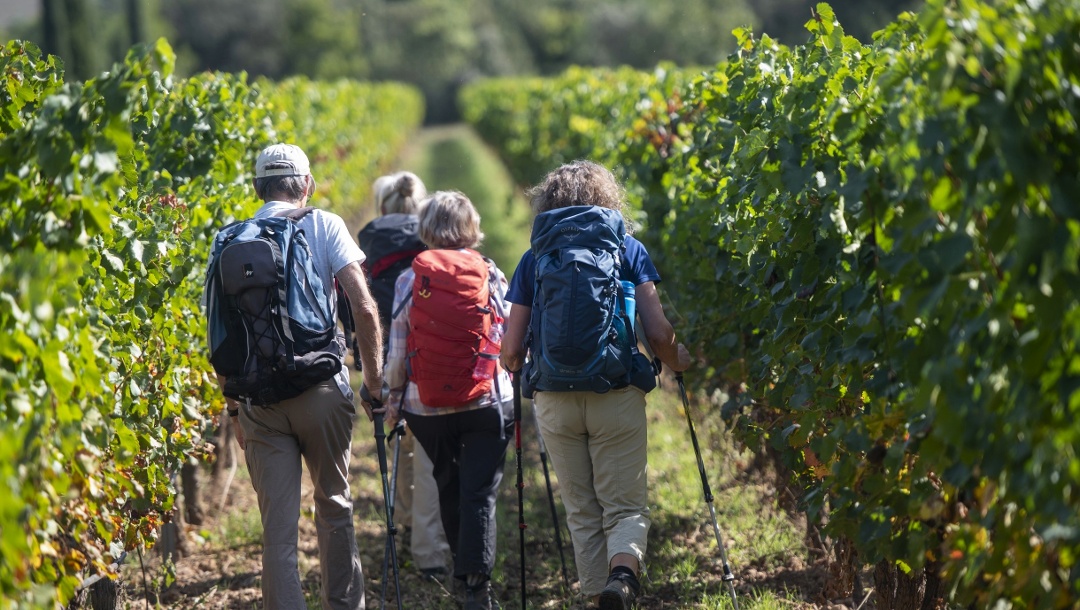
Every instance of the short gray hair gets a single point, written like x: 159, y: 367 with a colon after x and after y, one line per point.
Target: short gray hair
x: 449, y: 220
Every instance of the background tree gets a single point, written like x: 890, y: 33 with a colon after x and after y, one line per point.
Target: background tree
x: 785, y: 20
x: 641, y: 33
x: 67, y: 31
x: 83, y: 61
x: 437, y: 45
x: 54, y: 30
x: 136, y: 21
x: 429, y: 43
x: 321, y: 39
x: 273, y: 38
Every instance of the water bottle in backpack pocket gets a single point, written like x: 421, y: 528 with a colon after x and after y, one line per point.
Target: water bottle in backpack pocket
x: 487, y: 355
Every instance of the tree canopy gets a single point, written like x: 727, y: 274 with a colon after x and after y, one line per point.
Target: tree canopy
x: 437, y: 45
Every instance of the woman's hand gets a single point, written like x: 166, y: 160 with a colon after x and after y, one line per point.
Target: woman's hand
x: 512, y: 354
x: 683, y: 362
x: 393, y: 416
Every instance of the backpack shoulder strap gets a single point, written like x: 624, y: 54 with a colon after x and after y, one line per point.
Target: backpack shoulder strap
x: 405, y: 301
x: 296, y: 214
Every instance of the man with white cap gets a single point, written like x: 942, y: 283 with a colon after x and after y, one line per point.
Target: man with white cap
x: 318, y: 424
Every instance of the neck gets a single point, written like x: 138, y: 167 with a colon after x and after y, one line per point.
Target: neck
x: 295, y: 202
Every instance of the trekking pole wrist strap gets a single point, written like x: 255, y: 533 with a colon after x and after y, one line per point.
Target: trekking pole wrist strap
x: 365, y: 395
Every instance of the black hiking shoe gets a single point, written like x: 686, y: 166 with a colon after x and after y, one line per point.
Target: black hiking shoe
x: 480, y: 597
x: 620, y: 593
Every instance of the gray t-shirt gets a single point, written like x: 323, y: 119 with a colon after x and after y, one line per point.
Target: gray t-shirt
x: 332, y: 248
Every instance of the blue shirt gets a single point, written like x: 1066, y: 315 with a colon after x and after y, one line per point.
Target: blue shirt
x: 638, y: 269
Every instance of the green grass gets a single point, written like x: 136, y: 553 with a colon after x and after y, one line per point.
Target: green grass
x: 240, y: 528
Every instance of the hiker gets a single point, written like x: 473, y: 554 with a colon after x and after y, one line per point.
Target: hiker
x: 596, y: 436
x: 458, y: 402
x: 317, y: 424
x: 391, y: 242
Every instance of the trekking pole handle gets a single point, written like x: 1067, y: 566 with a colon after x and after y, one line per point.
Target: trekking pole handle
x: 365, y: 395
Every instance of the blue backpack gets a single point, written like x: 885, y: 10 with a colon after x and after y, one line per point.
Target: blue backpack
x: 580, y: 337
x: 271, y: 329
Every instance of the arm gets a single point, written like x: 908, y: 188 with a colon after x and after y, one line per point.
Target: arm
x: 231, y: 407
x: 659, y: 333
x: 512, y: 355
x: 366, y: 318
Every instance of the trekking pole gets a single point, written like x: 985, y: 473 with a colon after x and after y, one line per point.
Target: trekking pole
x: 516, y: 378
x: 380, y: 448
x: 728, y: 577
x: 398, y: 430
x: 551, y: 501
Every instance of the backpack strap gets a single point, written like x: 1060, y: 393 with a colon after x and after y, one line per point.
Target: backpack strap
x: 397, y: 310
x: 296, y: 214
x: 388, y: 261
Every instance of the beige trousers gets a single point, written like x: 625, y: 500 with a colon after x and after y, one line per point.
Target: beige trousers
x: 417, y: 506
x: 316, y: 426
x: 598, y: 444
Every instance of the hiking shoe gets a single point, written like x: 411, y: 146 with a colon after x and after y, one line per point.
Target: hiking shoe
x: 619, y: 594
x: 480, y: 597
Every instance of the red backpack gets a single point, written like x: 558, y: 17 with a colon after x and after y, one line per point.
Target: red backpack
x: 453, y: 344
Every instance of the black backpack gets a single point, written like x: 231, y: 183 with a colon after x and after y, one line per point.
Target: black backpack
x: 271, y: 329
x: 391, y: 242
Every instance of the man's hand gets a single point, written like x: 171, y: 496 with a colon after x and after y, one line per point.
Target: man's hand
x: 238, y: 431
x: 372, y: 404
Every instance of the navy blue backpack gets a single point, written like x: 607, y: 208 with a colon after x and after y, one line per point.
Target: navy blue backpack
x: 580, y: 337
x: 271, y: 329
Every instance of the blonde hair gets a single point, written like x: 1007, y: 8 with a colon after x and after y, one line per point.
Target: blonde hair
x: 577, y: 183
x: 398, y: 193
x: 449, y: 220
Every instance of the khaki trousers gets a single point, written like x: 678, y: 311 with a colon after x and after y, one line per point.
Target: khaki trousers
x: 417, y: 506
x: 316, y: 426
x: 598, y: 444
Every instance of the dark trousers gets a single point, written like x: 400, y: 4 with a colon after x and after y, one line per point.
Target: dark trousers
x: 467, y: 450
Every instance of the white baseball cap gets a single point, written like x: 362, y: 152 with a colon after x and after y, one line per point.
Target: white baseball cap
x: 282, y: 154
